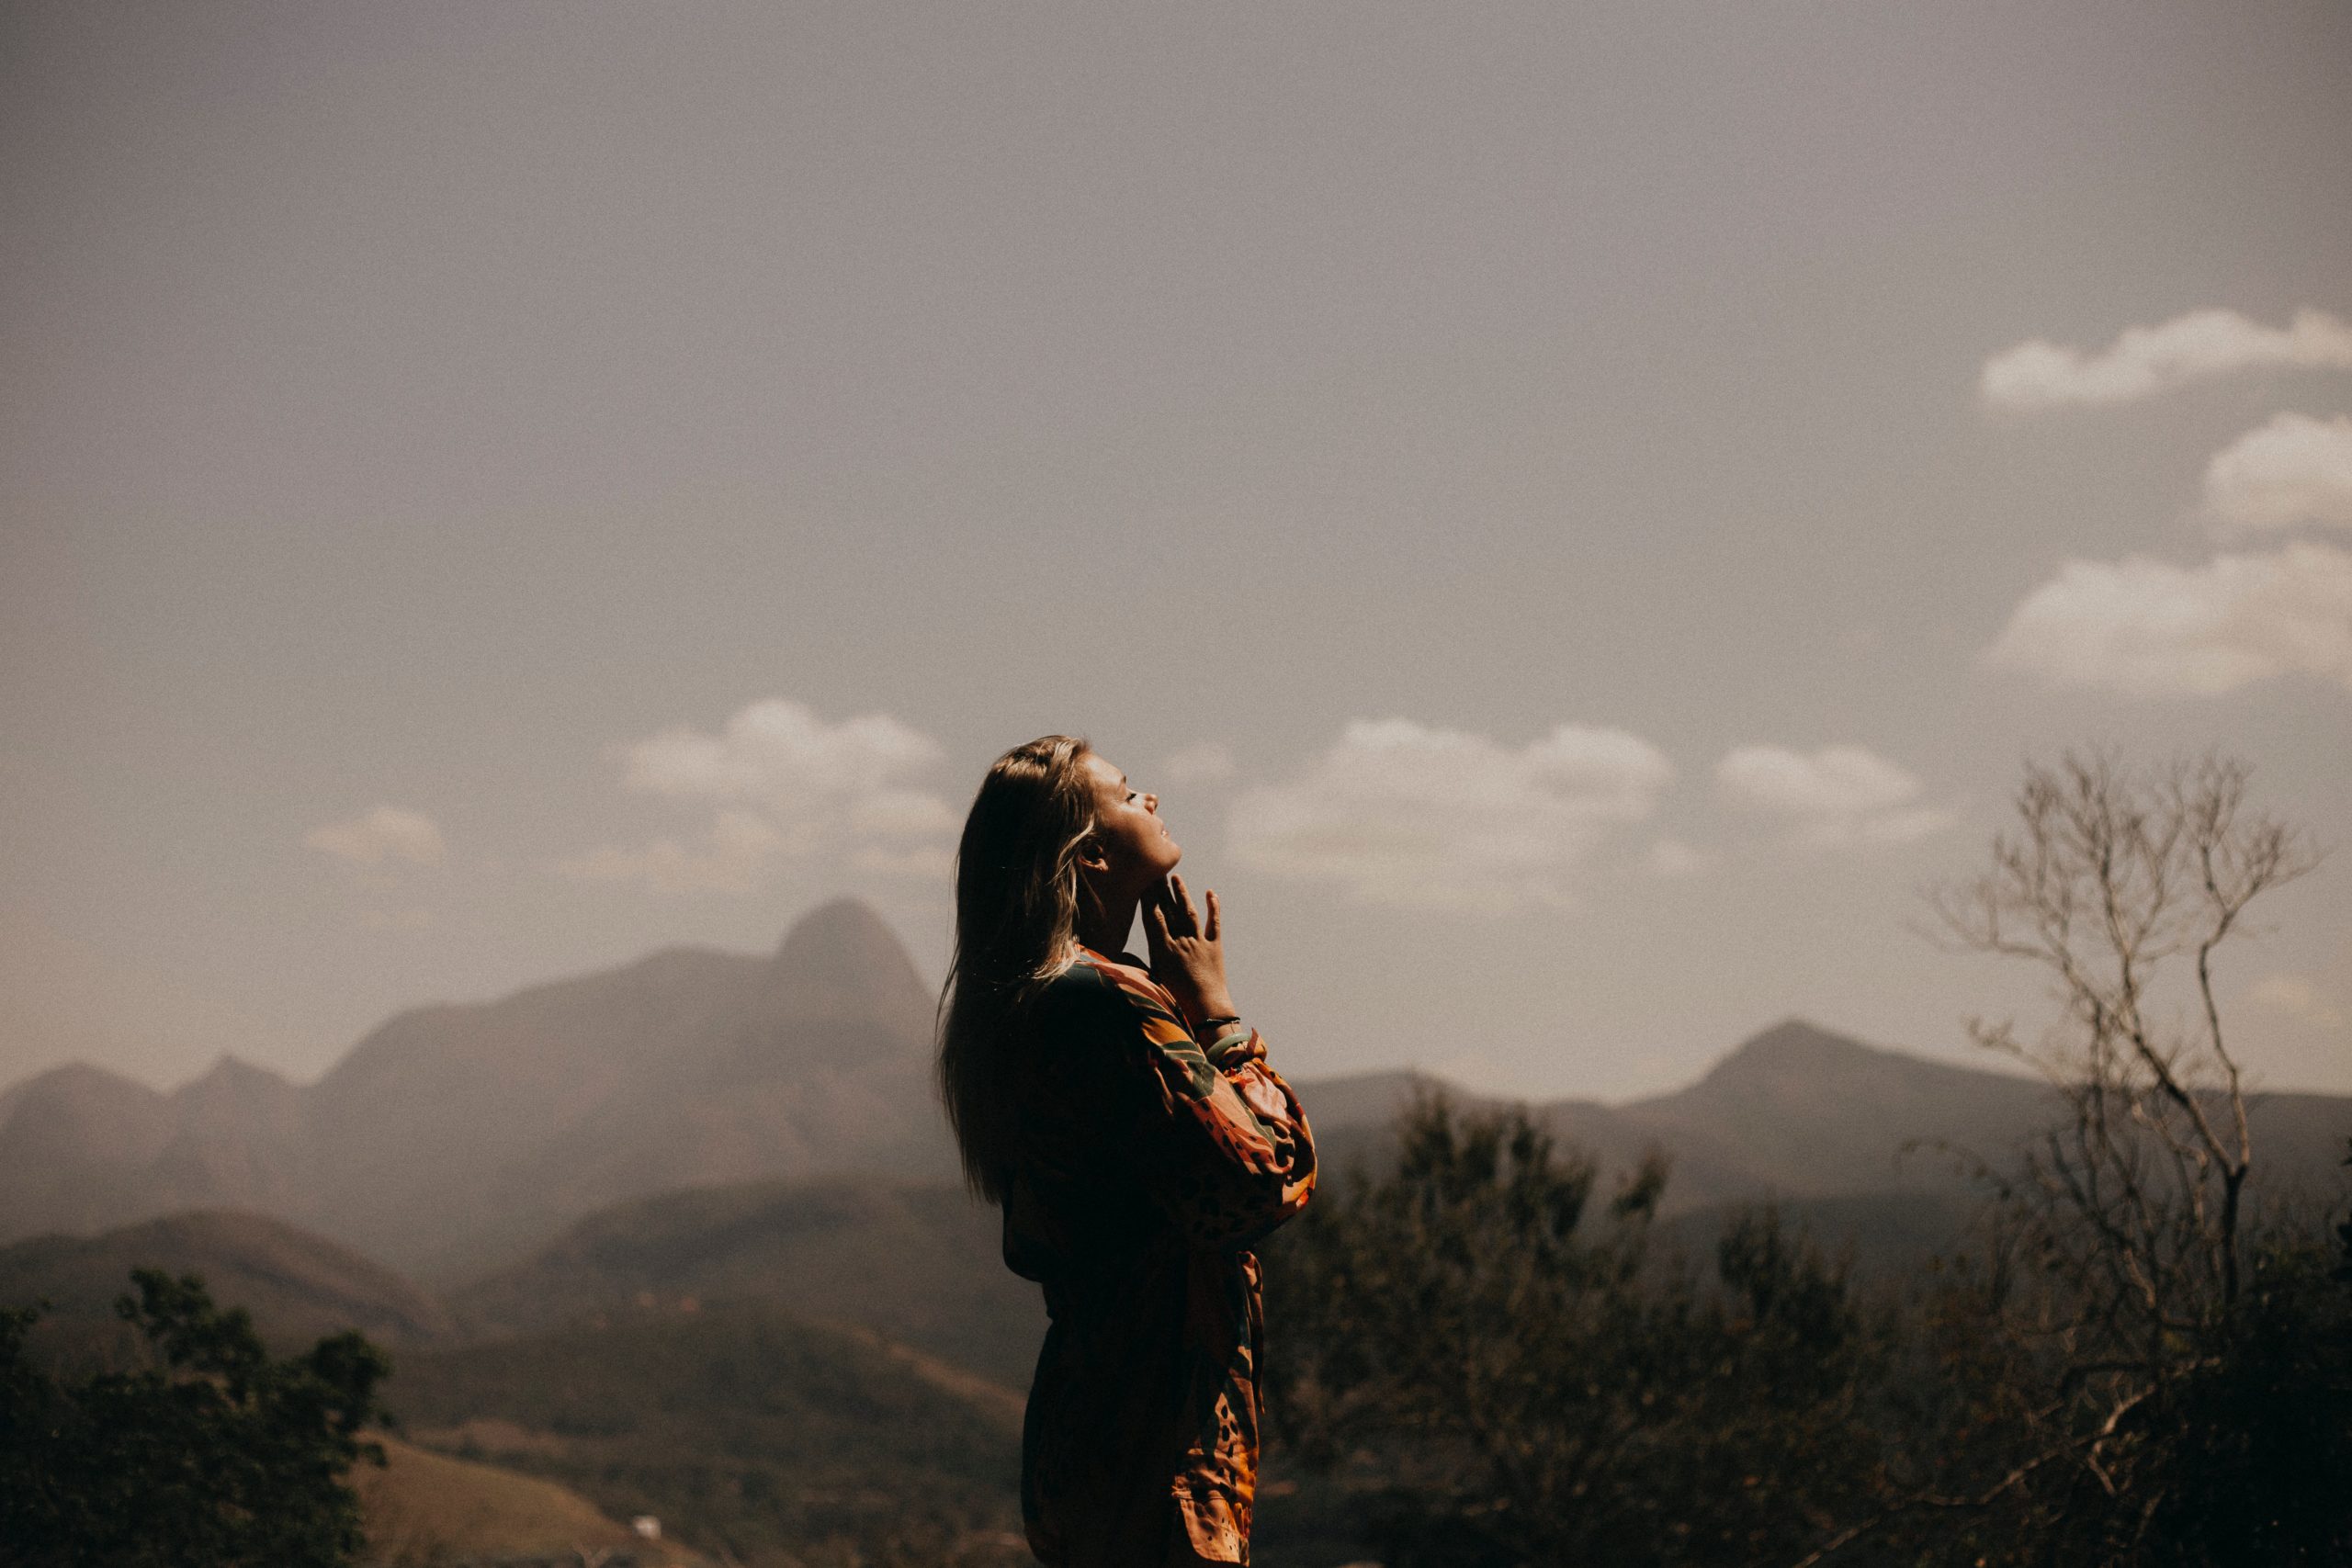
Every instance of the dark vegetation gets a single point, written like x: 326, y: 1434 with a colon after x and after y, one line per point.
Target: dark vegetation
x: 2133, y: 1358
x: 1501, y: 1374
x: 213, y: 1455
x: 1480, y: 1361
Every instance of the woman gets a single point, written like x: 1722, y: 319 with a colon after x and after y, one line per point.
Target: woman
x: 1126, y: 1121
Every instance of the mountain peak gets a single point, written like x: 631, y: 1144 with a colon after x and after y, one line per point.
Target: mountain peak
x: 67, y: 1118
x: 839, y: 924
x: 235, y: 1092
x: 231, y: 1075
x: 79, y: 1080
x: 1793, y: 1048
x: 842, y: 963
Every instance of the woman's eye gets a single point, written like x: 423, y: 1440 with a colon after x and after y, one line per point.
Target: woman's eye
x: 1134, y: 796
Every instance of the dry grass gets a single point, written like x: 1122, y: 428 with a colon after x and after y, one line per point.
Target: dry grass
x: 424, y: 1507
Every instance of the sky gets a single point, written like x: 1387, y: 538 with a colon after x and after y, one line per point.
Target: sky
x: 1581, y: 513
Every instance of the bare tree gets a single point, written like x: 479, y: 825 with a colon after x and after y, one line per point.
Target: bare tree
x: 2119, y: 1238
x: 2122, y: 886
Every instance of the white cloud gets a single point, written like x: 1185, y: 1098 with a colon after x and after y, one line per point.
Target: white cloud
x: 1205, y: 765
x: 902, y: 816
x: 735, y: 856
x: 2295, y: 470
x: 2149, y: 628
x: 1836, y: 795
x: 781, y: 756
x: 2146, y: 361
x: 785, y: 785
x: 386, y: 833
x: 1399, y: 813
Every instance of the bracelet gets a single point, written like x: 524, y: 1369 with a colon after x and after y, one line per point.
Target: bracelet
x: 1221, y: 1020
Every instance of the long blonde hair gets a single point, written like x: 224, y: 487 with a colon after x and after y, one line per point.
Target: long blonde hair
x: 1016, y: 926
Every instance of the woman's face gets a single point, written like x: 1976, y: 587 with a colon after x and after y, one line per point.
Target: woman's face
x: 1129, y: 837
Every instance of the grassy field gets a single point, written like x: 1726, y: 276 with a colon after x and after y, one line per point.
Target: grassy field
x: 427, y: 1508
x: 747, y: 1430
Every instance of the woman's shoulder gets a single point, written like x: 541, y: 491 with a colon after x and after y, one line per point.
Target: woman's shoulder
x: 1120, y: 973
x: 1096, y: 980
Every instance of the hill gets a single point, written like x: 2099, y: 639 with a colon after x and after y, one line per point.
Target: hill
x: 917, y: 1263
x: 1799, y: 1111
x: 298, y: 1286
x: 744, y: 1428
x: 422, y: 1507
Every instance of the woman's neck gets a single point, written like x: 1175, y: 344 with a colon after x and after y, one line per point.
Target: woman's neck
x: 1105, y: 929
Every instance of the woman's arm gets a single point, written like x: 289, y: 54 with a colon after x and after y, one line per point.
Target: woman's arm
x: 1217, y: 1136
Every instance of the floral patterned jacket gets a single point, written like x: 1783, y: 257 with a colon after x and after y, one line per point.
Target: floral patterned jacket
x: 1149, y: 1163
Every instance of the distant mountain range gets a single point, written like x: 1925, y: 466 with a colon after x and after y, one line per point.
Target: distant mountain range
x: 1800, y: 1115
x: 456, y: 1142
x: 455, y: 1136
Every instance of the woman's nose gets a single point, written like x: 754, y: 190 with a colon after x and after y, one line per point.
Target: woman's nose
x: 1151, y: 804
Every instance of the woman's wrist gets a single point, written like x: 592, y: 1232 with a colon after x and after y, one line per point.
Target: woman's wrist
x: 1210, y: 1008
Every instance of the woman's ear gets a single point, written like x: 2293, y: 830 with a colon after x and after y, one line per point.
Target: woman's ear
x: 1091, y: 860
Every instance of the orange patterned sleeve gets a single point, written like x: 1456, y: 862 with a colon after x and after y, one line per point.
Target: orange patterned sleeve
x: 1222, y: 1143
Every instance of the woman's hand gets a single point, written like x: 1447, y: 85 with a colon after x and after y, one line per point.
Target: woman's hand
x: 1187, y: 954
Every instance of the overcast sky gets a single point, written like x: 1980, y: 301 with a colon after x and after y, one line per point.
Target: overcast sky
x: 1579, y: 510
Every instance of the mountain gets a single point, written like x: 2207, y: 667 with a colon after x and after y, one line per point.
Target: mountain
x: 298, y: 1286
x: 75, y: 1146
x: 239, y: 1137
x: 455, y: 1134
x: 455, y: 1139
x: 1799, y: 1113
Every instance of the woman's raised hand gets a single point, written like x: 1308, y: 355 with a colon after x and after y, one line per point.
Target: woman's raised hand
x: 1187, y: 953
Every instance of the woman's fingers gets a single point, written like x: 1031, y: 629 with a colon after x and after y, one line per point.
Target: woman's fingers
x: 1215, y: 928
x: 1182, y: 901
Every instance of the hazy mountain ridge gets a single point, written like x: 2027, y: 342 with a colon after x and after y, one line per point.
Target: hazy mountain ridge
x: 1794, y: 1111
x: 456, y: 1135
x: 1801, y: 1114
x: 455, y: 1139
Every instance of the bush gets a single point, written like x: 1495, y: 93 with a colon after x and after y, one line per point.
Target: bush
x: 218, y: 1456
x: 1500, y: 1381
